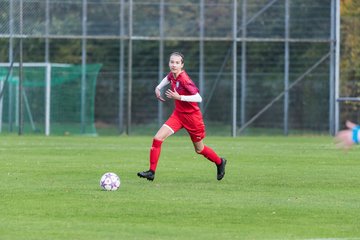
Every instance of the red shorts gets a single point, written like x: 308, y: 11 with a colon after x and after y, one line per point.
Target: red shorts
x: 192, y: 122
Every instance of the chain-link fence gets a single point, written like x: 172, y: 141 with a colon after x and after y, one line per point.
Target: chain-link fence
x: 264, y: 66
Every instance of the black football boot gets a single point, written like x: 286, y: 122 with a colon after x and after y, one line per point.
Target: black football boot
x: 149, y: 175
x: 221, y: 169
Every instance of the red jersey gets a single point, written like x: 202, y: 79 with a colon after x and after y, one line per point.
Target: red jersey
x: 184, y: 86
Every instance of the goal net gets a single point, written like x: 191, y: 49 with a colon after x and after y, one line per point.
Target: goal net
x: 57, y: 98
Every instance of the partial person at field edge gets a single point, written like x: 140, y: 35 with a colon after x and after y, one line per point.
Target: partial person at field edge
x: 347, y: 137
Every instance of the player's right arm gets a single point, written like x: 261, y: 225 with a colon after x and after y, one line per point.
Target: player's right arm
x: 158, y: 88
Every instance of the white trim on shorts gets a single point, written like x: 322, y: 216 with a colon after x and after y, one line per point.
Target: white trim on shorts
x: 169, y: 128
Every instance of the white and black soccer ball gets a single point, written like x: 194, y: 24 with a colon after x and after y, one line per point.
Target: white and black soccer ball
x: 110, y: 181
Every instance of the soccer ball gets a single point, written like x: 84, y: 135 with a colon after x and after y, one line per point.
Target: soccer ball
x: 110, y: 181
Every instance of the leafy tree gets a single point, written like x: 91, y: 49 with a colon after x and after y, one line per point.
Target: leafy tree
x: 350, y: 54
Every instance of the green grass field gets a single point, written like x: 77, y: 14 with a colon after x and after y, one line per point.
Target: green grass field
x: 274, y: 188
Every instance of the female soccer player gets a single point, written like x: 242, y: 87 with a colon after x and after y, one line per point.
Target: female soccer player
x: 346, y: 138
x: 186, y: 115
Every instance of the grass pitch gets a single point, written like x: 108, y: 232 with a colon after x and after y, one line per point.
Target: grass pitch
x: 274, y: 188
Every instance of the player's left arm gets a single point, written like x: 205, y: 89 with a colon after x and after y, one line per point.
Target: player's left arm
x: 186, y: 98
x: 191, y: 88
x: 191, y: 98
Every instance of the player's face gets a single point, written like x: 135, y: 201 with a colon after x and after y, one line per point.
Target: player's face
x: 175, y: 64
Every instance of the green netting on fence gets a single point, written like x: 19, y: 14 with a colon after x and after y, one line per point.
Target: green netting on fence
x: 71, y: 98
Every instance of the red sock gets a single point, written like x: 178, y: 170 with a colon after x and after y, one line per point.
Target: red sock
x: 155, y: 153
x: 211, y: 155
